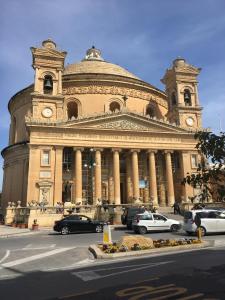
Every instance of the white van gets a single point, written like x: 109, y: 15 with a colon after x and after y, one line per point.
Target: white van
x: 212, y: 220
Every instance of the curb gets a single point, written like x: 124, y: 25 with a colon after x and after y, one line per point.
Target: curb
x: 98, y: 254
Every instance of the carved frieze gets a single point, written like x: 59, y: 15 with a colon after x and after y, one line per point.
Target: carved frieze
x: 114, y: 90
x: 123, y: 125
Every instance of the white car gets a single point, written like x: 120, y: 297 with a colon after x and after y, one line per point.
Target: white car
x: 154, y: 222
x: 212, y: 220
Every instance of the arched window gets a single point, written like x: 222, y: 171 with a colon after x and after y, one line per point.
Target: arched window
x: 48, y: 85
x: 114, y: 106
x: 173, y: 99
x: 150, y: 111
x: 72, y: 110
x: 187, y: 97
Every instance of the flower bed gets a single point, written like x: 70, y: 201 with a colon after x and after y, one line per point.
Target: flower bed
x: 118, y: 248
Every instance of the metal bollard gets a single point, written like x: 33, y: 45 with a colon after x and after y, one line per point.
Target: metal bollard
x: 107, y: 238
x: 199, y: 234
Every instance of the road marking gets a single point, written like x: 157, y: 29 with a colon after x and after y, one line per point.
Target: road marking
x: 86, y: 261
x: 33, y: 257
x: 5, y: 256
x: 29, y: 247
x: 91, y: 275
x: 88, y: 275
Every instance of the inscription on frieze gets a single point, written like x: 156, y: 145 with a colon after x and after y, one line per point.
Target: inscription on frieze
x: 120, y: 138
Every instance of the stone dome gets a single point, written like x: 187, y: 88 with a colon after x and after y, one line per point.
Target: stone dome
x: 93, y: 63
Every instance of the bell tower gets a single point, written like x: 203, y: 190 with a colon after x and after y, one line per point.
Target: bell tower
x: 47, y: 99
x: 182, y: 91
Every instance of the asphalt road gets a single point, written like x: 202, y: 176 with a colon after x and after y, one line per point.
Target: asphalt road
x: 48, y: 265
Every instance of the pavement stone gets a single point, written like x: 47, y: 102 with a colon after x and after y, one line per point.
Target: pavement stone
x: 6, y: 231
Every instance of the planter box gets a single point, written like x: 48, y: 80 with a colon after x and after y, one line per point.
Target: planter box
x: 35, y: 227
x: 22, y: 226
x: 94, y: 249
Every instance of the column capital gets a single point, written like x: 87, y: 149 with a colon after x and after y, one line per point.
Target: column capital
x: 168, y: 151
x: 78, y: 148
x: 152, y: 151
x: 98, y: 149
x: 58, y: 147
x: 135, y: 150
x: 116, y: 149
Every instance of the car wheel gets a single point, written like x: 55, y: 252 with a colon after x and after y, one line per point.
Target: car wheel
x: 65, y: 230
x: 98, y: 228
x: 142, y: 230
x: 203, y: 231
x: 174, y: 228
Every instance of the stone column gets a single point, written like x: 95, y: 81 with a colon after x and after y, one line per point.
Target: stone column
x: 135, y: 174
x: 152, y: 178
x: 169, y: 178
x: 33, y: 174
x: 128, y: 178
x: 110, y: 179
x: 187, y: 190
x: 60, y: 82
x: 98, y: 176
x: 58, y: 175
x: 196, y: 95
x: 78, y: 175
x: 116, y: 175
x: 36, y: 80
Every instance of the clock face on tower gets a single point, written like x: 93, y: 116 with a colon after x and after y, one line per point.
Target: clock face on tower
x: 47, y: 112
x: 189, y: 121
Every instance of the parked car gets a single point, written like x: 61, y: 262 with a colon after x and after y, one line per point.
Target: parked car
x: 129, y: 214
x: 143, y: 223
x: 212, y: 221
x: 78, y: 223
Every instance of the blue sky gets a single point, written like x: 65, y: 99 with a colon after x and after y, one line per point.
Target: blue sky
x: 144, y: 36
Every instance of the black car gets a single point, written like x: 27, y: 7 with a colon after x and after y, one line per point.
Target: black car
x: 78, y: 223
x: 129, y: 214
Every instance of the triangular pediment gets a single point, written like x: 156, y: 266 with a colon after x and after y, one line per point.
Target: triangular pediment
x: 123, y: 122
x: 51, y: 53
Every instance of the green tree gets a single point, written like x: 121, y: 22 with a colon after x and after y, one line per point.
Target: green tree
x: 210, y: 177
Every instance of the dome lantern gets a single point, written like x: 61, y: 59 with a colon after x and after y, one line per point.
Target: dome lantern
x: 93, y: 54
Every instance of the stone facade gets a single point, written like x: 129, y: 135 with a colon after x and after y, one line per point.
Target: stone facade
x: 92, y: 130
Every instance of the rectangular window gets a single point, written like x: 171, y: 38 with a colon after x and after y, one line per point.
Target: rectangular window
x: 45, y: 158
x: 194, y: 160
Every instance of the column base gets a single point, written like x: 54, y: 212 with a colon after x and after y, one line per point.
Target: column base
x: 117, y: 201
x: 171, y: 201
x: 78, y: 201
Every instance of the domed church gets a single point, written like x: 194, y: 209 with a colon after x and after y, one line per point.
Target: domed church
x: 93, y: 131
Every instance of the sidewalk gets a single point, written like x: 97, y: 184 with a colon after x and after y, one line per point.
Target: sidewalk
x: 8, y: 231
